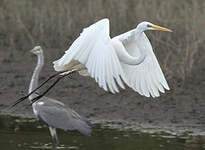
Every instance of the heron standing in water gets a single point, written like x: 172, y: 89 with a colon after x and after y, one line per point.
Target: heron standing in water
x: 52, y: 112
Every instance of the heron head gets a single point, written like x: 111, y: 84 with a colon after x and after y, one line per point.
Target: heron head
x: 36, y: 50
x: 150, y: 26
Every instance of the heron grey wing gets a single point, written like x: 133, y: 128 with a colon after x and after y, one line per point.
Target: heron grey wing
x: 60, y: 117
x: 82, y: 124
x: 51, y: 101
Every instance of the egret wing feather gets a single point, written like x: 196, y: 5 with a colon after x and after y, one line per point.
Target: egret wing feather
x: 93, y: 48
x: 146, y: 78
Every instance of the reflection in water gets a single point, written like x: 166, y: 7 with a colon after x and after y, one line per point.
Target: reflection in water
x: 50, y: 146
x: 195, y: 142
x: 29, y: 134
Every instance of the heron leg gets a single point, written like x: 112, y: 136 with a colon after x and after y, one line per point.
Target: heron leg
x: 54, y: 136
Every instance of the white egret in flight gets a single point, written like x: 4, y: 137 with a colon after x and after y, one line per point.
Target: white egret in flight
x: 127, y: 58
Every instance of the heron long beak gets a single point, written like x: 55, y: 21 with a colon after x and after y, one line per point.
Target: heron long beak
x: 161, y: 28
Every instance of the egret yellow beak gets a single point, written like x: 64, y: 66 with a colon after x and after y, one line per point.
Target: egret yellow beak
x: 161, y: 28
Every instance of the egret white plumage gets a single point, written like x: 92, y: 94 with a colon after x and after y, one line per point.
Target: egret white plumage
x: 51, y: 112
x: 127, y: 58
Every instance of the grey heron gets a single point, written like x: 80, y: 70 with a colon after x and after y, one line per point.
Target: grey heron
x: 51, y: 112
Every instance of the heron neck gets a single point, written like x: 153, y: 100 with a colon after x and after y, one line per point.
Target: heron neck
x: 35, y: 76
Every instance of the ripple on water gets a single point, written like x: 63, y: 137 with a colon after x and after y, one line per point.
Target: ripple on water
x: 49, y: 146
x: 106, y: 136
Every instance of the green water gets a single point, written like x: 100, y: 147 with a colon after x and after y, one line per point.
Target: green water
x: 29, y: 134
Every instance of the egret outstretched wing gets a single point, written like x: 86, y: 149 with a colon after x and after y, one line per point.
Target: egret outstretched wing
x: 93, y: 49
x: 146, y: 78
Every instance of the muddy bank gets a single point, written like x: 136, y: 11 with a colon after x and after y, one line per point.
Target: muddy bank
x: 181, y: 108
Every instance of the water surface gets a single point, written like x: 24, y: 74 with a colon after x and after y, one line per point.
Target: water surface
x: 28, y: 134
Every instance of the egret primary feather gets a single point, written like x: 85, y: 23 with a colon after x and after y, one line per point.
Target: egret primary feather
x: 127, y: 58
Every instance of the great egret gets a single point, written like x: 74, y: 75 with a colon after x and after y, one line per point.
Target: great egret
x: 52, y: 112
x: 125, y: 58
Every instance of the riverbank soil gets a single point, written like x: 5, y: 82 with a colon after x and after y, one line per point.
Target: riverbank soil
x: 181, y: 107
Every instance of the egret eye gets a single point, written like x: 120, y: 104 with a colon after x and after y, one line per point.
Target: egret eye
x: 149, y: 26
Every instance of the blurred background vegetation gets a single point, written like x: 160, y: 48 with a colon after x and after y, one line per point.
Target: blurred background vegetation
x: 56, y: 24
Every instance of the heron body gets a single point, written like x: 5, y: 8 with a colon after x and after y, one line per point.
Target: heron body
x: 127, y: 58
x: 51, y: 112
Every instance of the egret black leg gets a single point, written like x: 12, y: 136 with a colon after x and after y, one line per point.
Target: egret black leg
x: 25, y: 97
x: 47, y: 90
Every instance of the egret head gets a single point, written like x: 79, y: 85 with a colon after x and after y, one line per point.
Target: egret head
x: 36, y: 50
x: 150, y: 26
